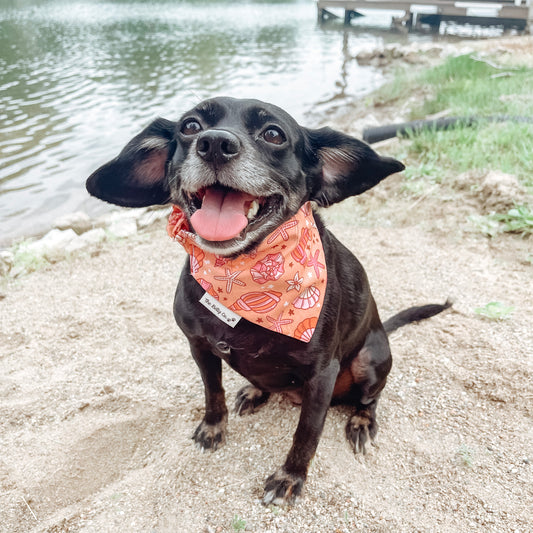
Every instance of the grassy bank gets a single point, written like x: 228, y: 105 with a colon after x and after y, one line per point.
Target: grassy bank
x: 469, y: 86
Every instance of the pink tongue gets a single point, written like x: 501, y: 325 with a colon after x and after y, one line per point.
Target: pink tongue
x: 222, y: 215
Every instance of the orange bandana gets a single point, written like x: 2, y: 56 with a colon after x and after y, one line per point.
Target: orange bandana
x: 279, y: 286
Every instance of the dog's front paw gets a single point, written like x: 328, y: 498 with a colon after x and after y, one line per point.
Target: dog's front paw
x: 250, y: 398
x: 210, y: 436
x: 361, y: 428
x: 282, y: 488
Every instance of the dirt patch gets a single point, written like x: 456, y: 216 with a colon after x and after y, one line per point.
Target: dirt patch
x: 100, y: 395
x: 493, y: 191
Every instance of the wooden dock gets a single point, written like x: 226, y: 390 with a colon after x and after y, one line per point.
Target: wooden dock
x: 517, y: 14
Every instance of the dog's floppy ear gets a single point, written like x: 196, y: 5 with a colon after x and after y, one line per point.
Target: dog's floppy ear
x: 137, y: 176
x: 346, y: 166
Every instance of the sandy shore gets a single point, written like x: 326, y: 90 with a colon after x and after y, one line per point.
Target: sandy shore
x: 99, y: 395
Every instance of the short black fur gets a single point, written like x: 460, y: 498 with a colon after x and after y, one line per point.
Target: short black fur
x: 348, y: 358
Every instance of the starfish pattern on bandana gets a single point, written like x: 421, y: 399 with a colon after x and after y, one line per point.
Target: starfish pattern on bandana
x: 278, y: 323
x: 295, y: 283
x: 231, y: 278
x: 282, y: 231
x: 316, y: 264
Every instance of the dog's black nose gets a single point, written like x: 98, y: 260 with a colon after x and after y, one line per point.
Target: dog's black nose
x: 217, y: 146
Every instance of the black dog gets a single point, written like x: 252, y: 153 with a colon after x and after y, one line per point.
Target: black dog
x: 259, y: 157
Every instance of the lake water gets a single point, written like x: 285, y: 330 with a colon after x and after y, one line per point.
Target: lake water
x: 79, y: 78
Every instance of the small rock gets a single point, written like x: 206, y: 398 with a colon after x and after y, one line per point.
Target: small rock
x: 364, y: 57
x: 90, y: 237
x: 17, y: 271
x: 78, y: 221
x: 395, y: 52
x: 94, y: 236
x: 494, y: 191
x: 6, y: 262
x: 501, y: 191
x: 413, y: 58
x: 53, y: 246
x: 123, y: 228
x: 434, y: 51
x: 75, y: 246
x: 151, y: 216
x: 122, y: 214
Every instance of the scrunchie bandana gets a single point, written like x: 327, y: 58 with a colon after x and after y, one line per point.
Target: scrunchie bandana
x: 279, y: 286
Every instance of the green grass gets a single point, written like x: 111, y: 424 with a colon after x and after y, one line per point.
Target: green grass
x: 504, y: 146
x: 238, y: 523
x: 25, y: 260
x: 466, y: 86
x: 518, y: 220
x: 399, y: 88
x: 495, y: 311
x: 465, y: 455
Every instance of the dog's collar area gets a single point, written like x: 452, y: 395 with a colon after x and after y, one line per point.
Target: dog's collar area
x: 279, y: 286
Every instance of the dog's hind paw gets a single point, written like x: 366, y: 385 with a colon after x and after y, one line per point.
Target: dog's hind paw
x: 361, y: 428
x: 249, y: 399
x: 282, y: 488
x: 210, y: 436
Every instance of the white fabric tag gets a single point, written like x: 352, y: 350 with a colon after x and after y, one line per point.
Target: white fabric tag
x: 223, y: 313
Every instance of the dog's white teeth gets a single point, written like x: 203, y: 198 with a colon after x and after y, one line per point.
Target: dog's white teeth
x: 252, y: 211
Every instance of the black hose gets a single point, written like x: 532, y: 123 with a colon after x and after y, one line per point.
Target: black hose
x: 380, y: 133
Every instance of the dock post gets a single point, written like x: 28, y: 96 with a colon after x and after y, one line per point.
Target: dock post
x: 350, y: 14
x: 409, y: 22
x: 324, y: 15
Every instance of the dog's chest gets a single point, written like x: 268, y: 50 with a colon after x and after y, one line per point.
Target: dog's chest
x: 268, y: 364
x: 271, y: 361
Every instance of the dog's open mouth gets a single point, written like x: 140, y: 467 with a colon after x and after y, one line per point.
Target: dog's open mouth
x: 221, y: 213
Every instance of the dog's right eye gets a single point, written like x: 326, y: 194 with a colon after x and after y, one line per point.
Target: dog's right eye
x: 191, y: 127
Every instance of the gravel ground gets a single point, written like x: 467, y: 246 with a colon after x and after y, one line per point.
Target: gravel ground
x: 100, y: 395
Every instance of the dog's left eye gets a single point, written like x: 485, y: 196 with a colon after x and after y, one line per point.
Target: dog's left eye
x: 191, y: 127
x: 274, y: 136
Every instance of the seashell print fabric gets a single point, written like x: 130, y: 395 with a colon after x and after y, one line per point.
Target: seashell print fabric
x: 279, y: 286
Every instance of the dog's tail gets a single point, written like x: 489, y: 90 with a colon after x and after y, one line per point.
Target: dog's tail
x: 414, y: 314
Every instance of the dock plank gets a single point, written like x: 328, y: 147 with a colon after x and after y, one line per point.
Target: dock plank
x: 472, y: 11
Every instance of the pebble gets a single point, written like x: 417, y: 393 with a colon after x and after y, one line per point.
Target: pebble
x: 78, y: 221
x: 53, y: 245
x: 7, y: 259
x: 123, y: 228
x: 93, y: 236
x: 150, y: 216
